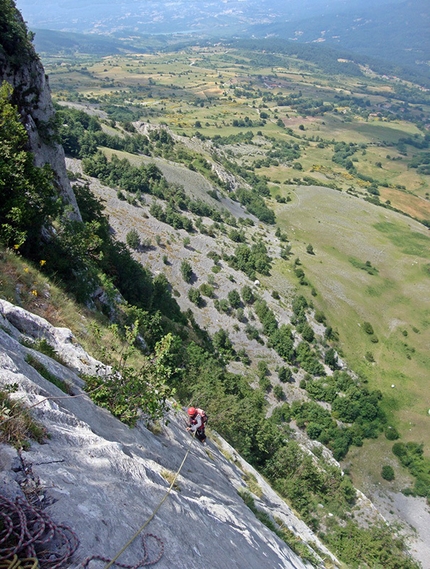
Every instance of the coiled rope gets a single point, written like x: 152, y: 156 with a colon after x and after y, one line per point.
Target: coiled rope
x: 62, y: 529
x: 28, y: 532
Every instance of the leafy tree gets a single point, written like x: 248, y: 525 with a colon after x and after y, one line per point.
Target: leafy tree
x: 263, y: 369
x: 252, y: 259
x: 345, y: 409
x: 252, y: 333
x: 285, y: 252
x: 151, y: 325
x: 320, y: 317
x: 299, y: 304
x: 308, y: 359
x: 391, y: 433
x: 224, y: 305
x: 278, y: 392
x: 207, y: 289
x: 264, y: 384
x: 281, y: 414
x: 127, y: 391
x: 330, y: 359
x: 284, y: 374
x: 267, y: 317
x: 161, y: 298
x: 237, y: 236
x: 75, y: 256
x: 373, y: 546
x: 411, y: 455
x: 240, y: 315
x: 222, y: 342
x: 28, y: 199
x: 195, y: 297
x: 234, y: 298
x: 255, y: 203
x: 247, y: 294
x: 314, y: 430
x: 283, y: 342
x: 308, y: 333
x: 15, y: 40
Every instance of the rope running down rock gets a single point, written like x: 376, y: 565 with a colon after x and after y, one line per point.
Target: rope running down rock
x: 144, y: 561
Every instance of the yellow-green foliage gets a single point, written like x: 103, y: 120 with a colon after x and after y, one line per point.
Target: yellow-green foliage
x: 251, y: 482
x: 169, y: 476
x: 137, y: 384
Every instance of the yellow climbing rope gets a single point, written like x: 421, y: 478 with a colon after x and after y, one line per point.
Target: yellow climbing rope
x: 16, y: 563
x: 151, y: 517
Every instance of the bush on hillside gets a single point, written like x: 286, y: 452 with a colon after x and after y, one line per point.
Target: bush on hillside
x: 186, y: 271
x: 387, y: 473
x: 133, y: 239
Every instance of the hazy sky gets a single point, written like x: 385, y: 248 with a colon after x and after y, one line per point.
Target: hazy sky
x: 396, y: 31
x: 86, y: 15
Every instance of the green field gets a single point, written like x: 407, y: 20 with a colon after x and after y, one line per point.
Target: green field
x: 396, y: 300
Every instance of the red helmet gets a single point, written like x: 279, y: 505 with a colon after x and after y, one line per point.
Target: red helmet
x: 192, y: 411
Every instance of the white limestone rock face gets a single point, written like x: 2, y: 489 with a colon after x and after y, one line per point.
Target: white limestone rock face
x: 23, y: 324
x: 104, y: 479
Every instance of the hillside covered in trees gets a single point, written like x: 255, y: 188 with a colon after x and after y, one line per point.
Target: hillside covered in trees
x: 201, y: 281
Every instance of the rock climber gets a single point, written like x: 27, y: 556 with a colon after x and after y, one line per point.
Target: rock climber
x: 197, y: 420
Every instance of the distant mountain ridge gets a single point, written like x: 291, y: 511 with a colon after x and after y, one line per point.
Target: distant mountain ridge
x: 69, y: 43
x: 396, y: 32
x: 160, y: 16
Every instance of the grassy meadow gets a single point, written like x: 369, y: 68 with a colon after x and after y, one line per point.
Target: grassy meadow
x: 346, y: 233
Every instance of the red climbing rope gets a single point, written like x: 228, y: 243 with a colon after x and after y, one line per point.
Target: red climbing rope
x: 28, y: 532
x: 145, y: 561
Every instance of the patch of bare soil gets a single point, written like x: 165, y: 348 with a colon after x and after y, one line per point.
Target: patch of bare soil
x: 416, y: 207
